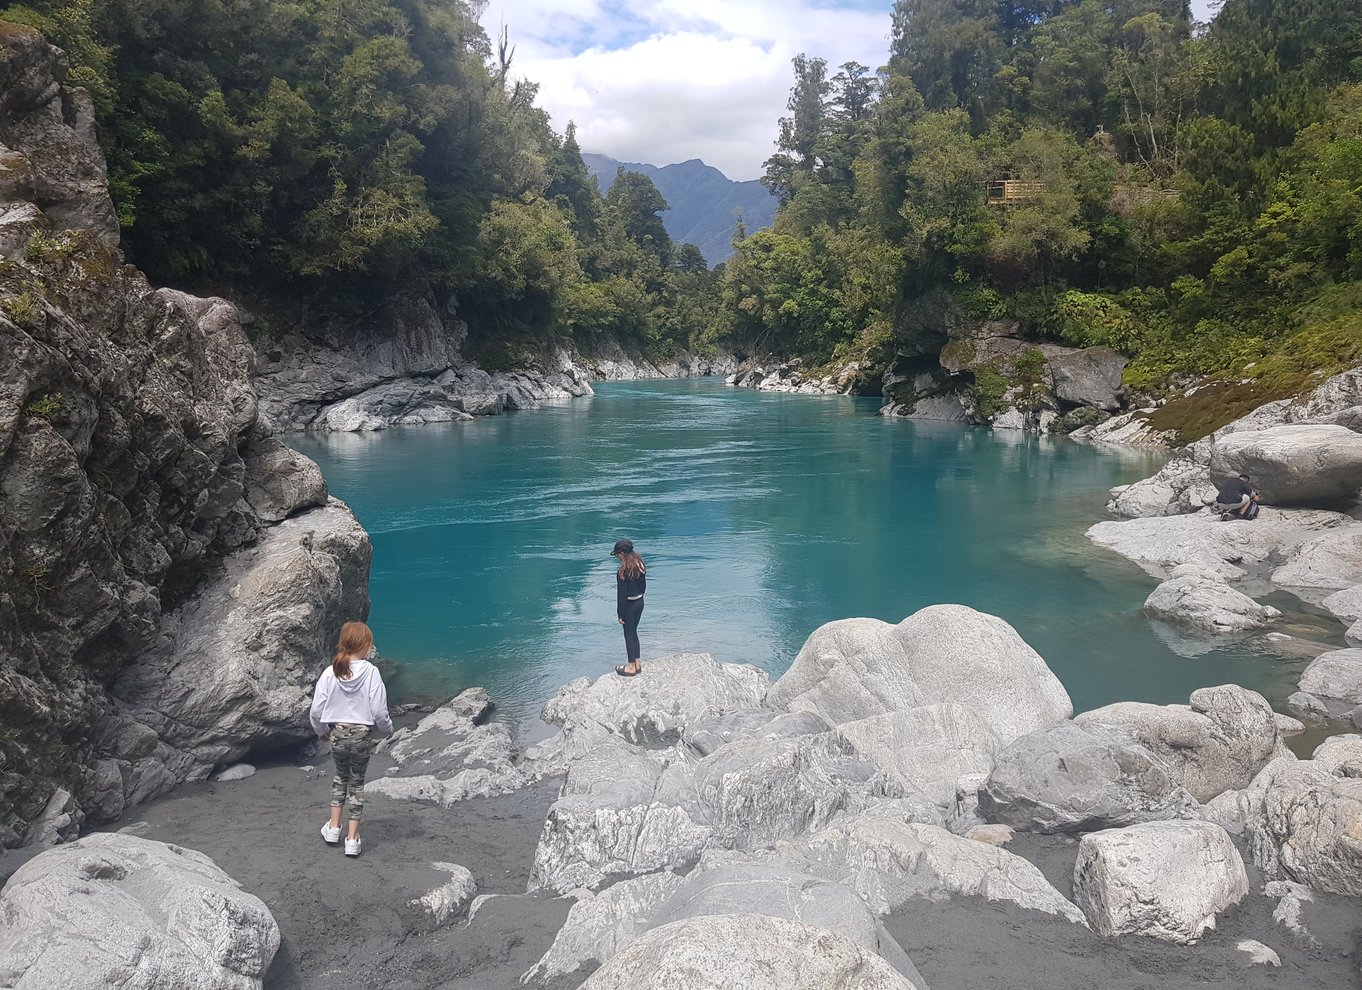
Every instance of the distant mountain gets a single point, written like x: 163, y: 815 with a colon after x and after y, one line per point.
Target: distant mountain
x: 704, y: 202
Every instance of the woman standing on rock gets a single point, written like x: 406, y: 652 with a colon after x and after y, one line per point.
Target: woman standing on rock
x: 350, y: 709
x: 630, y: 583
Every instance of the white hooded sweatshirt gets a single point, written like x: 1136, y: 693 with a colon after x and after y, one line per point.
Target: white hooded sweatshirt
x: 360, y: 699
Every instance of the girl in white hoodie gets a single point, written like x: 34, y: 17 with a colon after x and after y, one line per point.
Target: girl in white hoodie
x: 350, y: 710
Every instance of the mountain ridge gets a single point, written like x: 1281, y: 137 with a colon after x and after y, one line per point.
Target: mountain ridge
x: 704, y: 203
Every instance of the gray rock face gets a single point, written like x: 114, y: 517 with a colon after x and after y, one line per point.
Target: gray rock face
x: 132, y: 469
x: 402, y: 366
x: 1309, y: 833
x: 745, y: 950
x: 1199, y: 598
x: 1216, y: 743
x: 1166, y: 880
x: 708, y: 734
x: 1346, y: 604
x: 48, y: 151
x: 120, y: 912
x: 280, y: 481
x: 857, y: 668
x: 1294, y: 464
x: 1335, y: 676
x: 232, y: 671
x: 1075, y: 778
x: 447, y: 900
x: 1090, y: 377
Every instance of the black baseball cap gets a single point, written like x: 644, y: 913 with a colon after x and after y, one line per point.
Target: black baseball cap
x: 622, y: 546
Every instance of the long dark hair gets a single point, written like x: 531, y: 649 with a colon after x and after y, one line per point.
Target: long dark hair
x: 356, y: 640
x: 631, y: 565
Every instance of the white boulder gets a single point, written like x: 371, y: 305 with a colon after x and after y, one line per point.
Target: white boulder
x: 1198, y: 598
x: 724, y: 952
x: 1166, y: 880
x: 1335, y: 676
x: 113, y: 911
x: 857, y: 668
x: 1293, y: 464
x: 1218, y: 742
x: 672, y: 693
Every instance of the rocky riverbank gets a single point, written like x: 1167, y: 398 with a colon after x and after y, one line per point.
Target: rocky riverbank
x: 403, y: 365
x: 1305, y: 458
x: 967, y: 370
x: 909, y: 805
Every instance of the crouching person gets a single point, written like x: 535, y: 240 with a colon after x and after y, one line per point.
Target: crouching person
x: 350, y: 710
x: 1236, y: 499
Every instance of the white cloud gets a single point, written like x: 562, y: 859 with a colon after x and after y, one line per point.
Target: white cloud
x: 667, y: 80
x: 661, y: 81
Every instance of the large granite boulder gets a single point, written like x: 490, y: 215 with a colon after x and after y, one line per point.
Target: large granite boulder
x: 926, y: 749
x: 626, y: 810
x: 1166, y: 880
x: 1090, y: 377
x: 944, y: 654
x: 674, y: 692
x: 1226, y: 548
x: 1335, y: 676
x: 600, y: 925
x: 720, y: 952
x: 1309, y: 831
x: 1075, y: 778
x: 1199, y: 598
x: 1293, y: 464
x: 1332, y: 561
x: 1345, y: 604
x: 1180, y: 486
x: 117, y: 912
x: 1217, y: 742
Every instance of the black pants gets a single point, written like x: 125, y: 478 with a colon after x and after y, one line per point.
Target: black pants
x: 633, y: 611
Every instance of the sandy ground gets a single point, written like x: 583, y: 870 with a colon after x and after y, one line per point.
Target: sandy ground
x: 349, y: 924
x: 973, y: 944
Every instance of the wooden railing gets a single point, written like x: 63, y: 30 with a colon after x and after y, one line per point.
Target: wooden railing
x: 1008, y: 192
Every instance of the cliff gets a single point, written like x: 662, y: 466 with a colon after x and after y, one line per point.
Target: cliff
x: 169, y: 575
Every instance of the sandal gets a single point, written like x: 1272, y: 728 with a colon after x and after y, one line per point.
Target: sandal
x: 620, y: 669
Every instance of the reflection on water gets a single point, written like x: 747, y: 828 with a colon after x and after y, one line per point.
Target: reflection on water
x: 761, y: 516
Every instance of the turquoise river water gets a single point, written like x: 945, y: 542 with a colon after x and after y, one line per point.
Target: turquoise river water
x: 761, y: 516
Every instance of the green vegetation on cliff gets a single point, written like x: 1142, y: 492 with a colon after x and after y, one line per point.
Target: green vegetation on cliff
x: 338, y: 150
x: 1100, y: 171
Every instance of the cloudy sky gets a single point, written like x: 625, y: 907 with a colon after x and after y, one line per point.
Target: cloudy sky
x: 662, y: 81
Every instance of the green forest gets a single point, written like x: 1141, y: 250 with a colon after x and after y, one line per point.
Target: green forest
x: 1099, y: 171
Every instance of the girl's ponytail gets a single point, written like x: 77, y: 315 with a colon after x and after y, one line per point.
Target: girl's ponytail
x: 356, y: 640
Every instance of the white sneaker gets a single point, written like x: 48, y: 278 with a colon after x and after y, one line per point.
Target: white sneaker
x: 331, y: 834
x: 352, y: 846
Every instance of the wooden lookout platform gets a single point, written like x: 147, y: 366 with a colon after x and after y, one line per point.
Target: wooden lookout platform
x: 1010, y: 192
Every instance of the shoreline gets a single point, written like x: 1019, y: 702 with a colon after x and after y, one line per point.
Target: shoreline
x: 350, y: 924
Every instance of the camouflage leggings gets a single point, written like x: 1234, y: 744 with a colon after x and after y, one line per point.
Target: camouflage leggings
x: 351, y: 745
